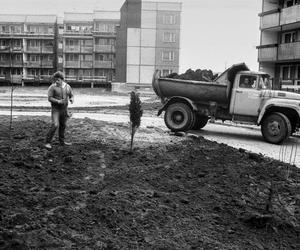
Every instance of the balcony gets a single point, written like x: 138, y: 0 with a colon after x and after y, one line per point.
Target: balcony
x: 72, y: 49
x: 5, y: 63
x: 104, y: 34
x: 32, y: 64
x: 289, y: 51
x: 72, y: 64
x: 74, y: 33
x: 105, y: 48
x: 267, y: 53
x: 86, y: 78
x: 39, y: 50
x: 269, y: 20
x: 87, y: 50
x: 17, y: 63
x: 85, y: 64
x: 290, y: 15
x: 104, y: 64
x: 47, y: 64
x: 47, y: 50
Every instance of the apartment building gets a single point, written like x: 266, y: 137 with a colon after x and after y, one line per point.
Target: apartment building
x: 82, y: 45
x: 27, y: 47
x: 148, y: 39
x: 279, y: 50
x: 89, y: 46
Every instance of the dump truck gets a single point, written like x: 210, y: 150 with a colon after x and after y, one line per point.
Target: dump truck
x: 237, y: 95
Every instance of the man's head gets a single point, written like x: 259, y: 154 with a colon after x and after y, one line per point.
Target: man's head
x: 246, y: 81
x: 58, y: 76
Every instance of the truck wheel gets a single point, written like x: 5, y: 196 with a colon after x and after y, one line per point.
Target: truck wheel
x: 276, y: 127
x: 201, y: 121
x: 179, y: 117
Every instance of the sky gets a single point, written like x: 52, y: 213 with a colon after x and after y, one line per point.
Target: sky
x: 214, y: 34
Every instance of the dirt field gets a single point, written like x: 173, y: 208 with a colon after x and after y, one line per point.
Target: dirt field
x: 170, y: 193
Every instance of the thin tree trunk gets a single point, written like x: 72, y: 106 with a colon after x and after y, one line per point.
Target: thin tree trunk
x: 132, y: 135
x: 11, y: 106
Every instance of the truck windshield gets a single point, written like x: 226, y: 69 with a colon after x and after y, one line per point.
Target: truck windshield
x: 264, y: 82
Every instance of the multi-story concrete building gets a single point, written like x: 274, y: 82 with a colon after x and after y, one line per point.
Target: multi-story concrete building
x: 93, y: 47
x: 279, y: 50
x: 27, y: 47
x: 148, y: 39
x: 89, y: 45
x: 82, y: 45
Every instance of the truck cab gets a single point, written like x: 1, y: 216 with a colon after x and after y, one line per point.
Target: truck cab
x: 247, y: 97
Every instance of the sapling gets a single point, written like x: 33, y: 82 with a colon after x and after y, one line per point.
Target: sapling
x: 135, y: 112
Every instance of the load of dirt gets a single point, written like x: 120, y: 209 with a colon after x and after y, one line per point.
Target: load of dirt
x: 196, y: 75
x: 169, y: 193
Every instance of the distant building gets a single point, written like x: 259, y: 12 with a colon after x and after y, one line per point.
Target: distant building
x: 27, y: 47
x: 89, y: 45
x: 97, y: 47
x: 82, y: 45
x: 148, y: 39
x: 279, y: 50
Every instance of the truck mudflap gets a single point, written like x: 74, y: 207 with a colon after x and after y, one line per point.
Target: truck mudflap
x: 176, y: 99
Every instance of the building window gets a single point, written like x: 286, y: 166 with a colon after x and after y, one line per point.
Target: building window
x: 72, y: 57
x: 33, y: 72
x: 168, y: 56
x: 99, y: 57
x: 169, y: 19
x: 169, y: 37
x: 87, y: 43
x: 87, y: 58
x: 33, y: 43
x: 105, y: 27
x: 16, y: 71
x: 18, y: 57
x: 33, y: 58
x: 15, y: 29
x: 289, y: 37
x: 288, y: 73
x: 3, y: 29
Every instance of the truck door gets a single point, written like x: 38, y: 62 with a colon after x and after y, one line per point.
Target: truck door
x: 246, y: 96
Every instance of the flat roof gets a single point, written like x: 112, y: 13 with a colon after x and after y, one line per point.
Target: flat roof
x: 78, y: 17
x: 106, y: 15
x: 41, y: 19
x: 6, y: 18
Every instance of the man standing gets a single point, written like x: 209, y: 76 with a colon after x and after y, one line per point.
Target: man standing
x: 59, y: 94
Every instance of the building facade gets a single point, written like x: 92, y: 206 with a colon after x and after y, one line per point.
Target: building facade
x: 27, y: 47
x: 89, y: 46
x: 82, y: 45
x: 279, y: 50
x: 103, y: 46
x: 148, y: 39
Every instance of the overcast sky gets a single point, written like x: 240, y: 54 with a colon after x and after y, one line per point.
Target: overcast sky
x: 214, y: 34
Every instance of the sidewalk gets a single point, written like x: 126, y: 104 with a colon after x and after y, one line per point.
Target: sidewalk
x: 30, y: 97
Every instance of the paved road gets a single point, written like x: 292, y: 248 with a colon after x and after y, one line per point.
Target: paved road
x: 245, y: 137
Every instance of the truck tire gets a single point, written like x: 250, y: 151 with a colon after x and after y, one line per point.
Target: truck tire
x: 276, y: 127
x: 201, y: 121
x: 179, y: 117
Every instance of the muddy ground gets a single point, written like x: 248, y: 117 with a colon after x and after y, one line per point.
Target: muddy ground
x: 169, y: 193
